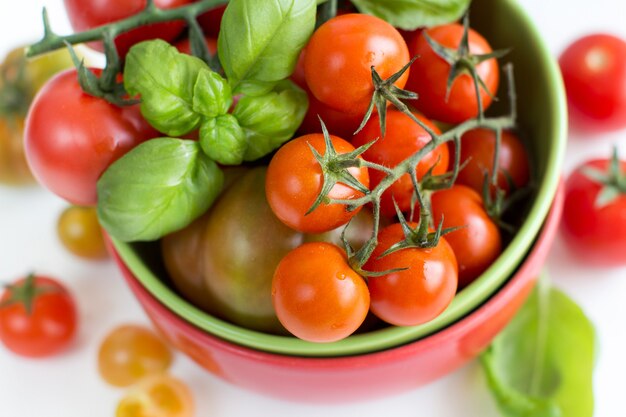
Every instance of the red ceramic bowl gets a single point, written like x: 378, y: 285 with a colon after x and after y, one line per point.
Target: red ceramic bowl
x: 340, y: 379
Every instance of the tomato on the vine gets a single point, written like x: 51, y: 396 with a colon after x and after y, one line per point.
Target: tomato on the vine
x: 80, y: 232
x: 294, y: 181
x: 340, y: 55
x: 131, y: 352
x: 37, y: 317
x: 88, y: 14
x: 430, y: 72
x: 477, y: 242
x: 594, y: 73
x: 421, y: 290
x: 478, y: 147
x: 157, y: 396
x: 594, y: 214
x: 317, y: 296
x: 71, y: 138
x: 402, y: 139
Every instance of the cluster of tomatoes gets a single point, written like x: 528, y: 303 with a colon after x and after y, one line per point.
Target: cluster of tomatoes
x: 318, y: 292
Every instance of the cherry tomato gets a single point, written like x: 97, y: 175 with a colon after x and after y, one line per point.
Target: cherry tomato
x: 317, y: 296
x: 20, y: 79
x: 594, y: 72
x: 184, y: 45
x: 211, y: 21
x: 403, y: 138
x: 79, y: 231
x: 88, y: 14
x: 417, y: 294
x: 340, y: 55
x: 37, y: 317
x: 131, y: 352
x: 477, y: 151
x: 595, y: 232
x: 294, y: 180
x: 157, y: 396
x: 429, y: 76
x: 68, y: 150
x: 477, y: 243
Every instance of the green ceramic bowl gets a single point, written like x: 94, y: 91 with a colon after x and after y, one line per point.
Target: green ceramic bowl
x: 542, y: 118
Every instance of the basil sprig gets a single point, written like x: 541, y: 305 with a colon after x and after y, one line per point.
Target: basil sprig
x: 412, y: 14
x: 541, y: 364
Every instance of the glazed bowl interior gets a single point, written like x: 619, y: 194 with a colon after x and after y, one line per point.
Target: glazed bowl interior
x: 542, y: 119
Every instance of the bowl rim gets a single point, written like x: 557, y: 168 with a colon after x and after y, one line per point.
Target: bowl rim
x: 391, y: 336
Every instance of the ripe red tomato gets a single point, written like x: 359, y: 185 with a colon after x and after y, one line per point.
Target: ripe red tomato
x: 339, y: 57
x: 594, y: 72
x: 294, y: 180
x: 417, y: 294
x: 403, y: 138
x: 478, y: 148
x: 72, y: 137
x: 477, y: 243
x: 595, y: 233
x: 429, y: 76
x: 211, y: 21
x: 88, y: 14
x: 317, y: 296
x: 48, y: 327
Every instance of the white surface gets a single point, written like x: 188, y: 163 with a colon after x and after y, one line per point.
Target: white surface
x: 69, y: 386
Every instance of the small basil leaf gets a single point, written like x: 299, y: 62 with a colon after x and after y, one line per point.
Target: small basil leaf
x: 223, y: 140
x: 212, y: 96
x: 261, y: 40
x: 272, y: 119
x: 165, y: 80
x: 412, y: 14
x: 541, y: 365
x: 159, y: 187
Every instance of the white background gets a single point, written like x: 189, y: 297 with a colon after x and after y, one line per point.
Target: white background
x: 69, y: 386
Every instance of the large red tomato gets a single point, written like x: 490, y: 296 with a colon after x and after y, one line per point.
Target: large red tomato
x: 429, y: 76
x: 88, y: 14
x: 72, y: 137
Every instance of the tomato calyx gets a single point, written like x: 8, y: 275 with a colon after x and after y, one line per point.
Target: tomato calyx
x: 613, y: 181
x: 335, y: 169
x: 26, y: 293
x: 462, y: 61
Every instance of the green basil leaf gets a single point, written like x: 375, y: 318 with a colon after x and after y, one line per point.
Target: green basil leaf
x: 541, y: 365
x: 159, y: 187
x: 272, y: 119
x: 261, y: 40
x: 212, y: 96
x: 412, y: 14
x: 223, y: 140
x: 165, y: 80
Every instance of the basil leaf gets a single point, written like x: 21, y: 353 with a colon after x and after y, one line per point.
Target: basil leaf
x: 212, y: 96
x: 541, y: 365
x: 261, y: 40
x: 412, y: 14
x: 223, y: 140
x: 165, y: 80
x: 159, y: 187
x: 272, y: 119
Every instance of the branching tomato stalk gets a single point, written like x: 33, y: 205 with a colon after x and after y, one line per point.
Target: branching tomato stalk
x: 106, y: 86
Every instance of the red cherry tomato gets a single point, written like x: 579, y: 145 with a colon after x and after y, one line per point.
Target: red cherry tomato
x: 294, y: 180
x: 594, y: 72
x: 339, y: 57
x: 429, y: 76
x: 417, y: 294
x: 37, y: 317
x: 88, y: 14
x: 71, y: 137
x: 477, y: 243
x: 317, y: 296
x: 477, y: 151
x: 403, y: 138
x: 595, y: 232
x: 211, y: 21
